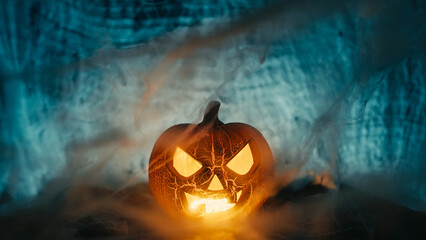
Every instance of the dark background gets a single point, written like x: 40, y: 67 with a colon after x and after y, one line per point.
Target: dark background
x: 336, y: 87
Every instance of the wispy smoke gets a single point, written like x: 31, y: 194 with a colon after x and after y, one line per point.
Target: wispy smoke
x: 303, y: 73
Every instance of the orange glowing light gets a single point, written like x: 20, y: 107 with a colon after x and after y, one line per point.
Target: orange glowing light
x: 211, y: 168
x: 242, y: 162
x: 204, y: 206
x: 215, y: 184
x: 185, y: 164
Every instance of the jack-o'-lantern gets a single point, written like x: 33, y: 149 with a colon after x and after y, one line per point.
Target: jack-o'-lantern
x: 211, y: 168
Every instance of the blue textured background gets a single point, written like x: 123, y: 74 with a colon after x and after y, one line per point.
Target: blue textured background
x: 87, y: 87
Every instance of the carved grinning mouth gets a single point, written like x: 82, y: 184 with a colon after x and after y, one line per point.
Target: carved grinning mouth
x: 204, y: 206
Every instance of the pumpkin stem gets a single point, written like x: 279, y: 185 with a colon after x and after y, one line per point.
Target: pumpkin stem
x: 211, y: 113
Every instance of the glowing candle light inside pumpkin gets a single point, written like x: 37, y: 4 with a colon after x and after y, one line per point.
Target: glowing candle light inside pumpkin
x: 201, y: 206
x: 210, y: 168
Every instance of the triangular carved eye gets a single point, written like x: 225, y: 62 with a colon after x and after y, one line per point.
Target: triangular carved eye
x: 242, y: 162
x: 184, y: 164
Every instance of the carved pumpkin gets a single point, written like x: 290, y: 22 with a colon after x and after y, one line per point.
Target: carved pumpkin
x: 210, y: 169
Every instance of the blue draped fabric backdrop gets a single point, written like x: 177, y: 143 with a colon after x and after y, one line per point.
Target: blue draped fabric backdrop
x: 87, y: 87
